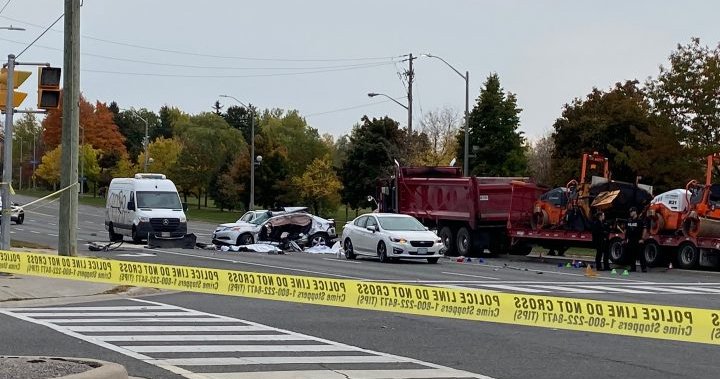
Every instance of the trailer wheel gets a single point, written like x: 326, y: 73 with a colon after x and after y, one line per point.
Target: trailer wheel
x: 540, y: 220
x: 446, y: 235
x: 688, y: 256
x: 617, y: 251
x: 464, y: 241
x: 653, y: 254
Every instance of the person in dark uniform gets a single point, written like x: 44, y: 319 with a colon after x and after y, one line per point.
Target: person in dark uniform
x: 600, y: 236
x: 634, y: 234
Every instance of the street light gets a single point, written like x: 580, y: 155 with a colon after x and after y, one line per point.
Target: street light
x: 373, y: 94
x: 252, y: 150
x: 146, y: 139
x: 11, y: 28
x: 466, y: 77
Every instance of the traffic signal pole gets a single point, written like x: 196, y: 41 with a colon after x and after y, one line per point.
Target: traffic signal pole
x: 7, y: 157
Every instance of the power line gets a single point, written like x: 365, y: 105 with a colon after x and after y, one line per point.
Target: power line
x: 40, y: 36
x: 154, y: 63
x: 347, y: 108
x: 5, y: 6
x: 218, y: 76
x: 216, y: 56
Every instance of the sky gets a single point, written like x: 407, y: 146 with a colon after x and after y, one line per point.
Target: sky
x: 323, y: 57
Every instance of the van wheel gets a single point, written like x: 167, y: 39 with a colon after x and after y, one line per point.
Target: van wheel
x: 135, y: 237
x: 21, y: 219
x: 114, y: 237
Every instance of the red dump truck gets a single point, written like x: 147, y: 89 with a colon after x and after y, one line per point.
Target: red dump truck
x: 471, y: 214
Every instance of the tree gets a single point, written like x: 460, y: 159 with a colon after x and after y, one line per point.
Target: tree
x: 686, y: 93
x: 49, y: 169
x: 131, y: 125
x: 240, y: 118
x: 493, y: 125
x: 169, y: 117
x: 164, y: 153
x: 441, y: 126
x: 124, y: 169
x: 374, y: 144
x: 319, y: 185
x: 539, y: 157
x: 602, y: 122
x: 88, y: 160
x: 217, y: 108
x: 98, y: 128
x: 232, y: 184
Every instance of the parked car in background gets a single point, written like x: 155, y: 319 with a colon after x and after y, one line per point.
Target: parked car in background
x: 17, y: 213
x: 391, y: 236
x: 269, y: 226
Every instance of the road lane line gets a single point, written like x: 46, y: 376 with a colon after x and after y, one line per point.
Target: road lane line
x: 472, y: 276
x: 703, y: 289
x: 615, y: 289
x: 664, y: 289
x: 126, y: 308
x: 199, y: 337
x: 135, y: 320
x: 232, y: 348
x: 565, y: 289
x: 109, y: 314
x: 340, y: 260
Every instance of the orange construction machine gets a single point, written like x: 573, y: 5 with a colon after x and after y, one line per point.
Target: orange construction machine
x: 703, y: 216
x: 569, y: 206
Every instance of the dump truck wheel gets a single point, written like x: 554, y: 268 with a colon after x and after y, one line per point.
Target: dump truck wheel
x: 446, y: 235
x: 464, y: 242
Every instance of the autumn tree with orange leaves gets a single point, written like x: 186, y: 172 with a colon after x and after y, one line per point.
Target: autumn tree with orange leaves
x: 96, y: 128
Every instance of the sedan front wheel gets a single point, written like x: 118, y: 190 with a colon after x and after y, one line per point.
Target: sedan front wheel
x: 382, y: 252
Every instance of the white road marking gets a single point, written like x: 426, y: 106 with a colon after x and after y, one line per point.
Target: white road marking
x: 51, y: 234
x: 472, y: 276
x: 210, y: 361
x: 177, y: 351
x: 343, y: 374
x: 126, y: 308
x: 233, y: 348
x: 515, y: 288
x: 615, y: 289
x: 704, y: 289
x: 663, y: 289
x: 111, y: 314
x: 340, y: 260
x: 134, y: 320
x: 165, y: 328
x: 565, y: 289
x: 200, y: 337
x: 34, y: 232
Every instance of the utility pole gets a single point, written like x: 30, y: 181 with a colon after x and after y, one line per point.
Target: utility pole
x: 7, y: 156
x: 68, y: 219
x: 466, y: 149
x: 20, y: 168
x: 410, y: 75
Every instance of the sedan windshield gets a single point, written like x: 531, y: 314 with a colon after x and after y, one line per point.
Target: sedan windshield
x: 260, y: 218
x: 158, y: 200
x: 401, y: 223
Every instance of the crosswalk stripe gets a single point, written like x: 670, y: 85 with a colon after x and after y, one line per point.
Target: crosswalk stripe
x: 135, y: 320
x: 565, y: 289
x: 237, y: 361
x: 704, y: 289
x: 201, y: 337
x: 514, y: 288
x: 165, y: 328
x: 125, y: 308
x: 110, y: 314
x: 231, y: 348
x: 664, y: 289
x: 343, y: 374
x: 615, y: 289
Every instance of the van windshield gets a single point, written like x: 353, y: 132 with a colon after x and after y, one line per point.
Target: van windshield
x: 158, y: 200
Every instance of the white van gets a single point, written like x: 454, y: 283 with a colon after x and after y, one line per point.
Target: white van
x: 144, y: 205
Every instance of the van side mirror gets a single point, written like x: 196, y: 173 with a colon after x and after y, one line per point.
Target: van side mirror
x: 131, y: 206
x: 185, y: 207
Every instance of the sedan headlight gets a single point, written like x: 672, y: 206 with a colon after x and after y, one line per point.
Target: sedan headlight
x: 399, y: 240
x: 439, y: 240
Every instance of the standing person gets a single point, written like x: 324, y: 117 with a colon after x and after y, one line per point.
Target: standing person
x: 634, y: 234
x: 600, y: 236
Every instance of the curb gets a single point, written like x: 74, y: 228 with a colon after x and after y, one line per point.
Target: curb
x: 107, y: 370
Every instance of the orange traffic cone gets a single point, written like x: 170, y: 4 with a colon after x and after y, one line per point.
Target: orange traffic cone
x: 590, y: 272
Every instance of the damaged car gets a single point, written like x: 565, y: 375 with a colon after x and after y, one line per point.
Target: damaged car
x: 293, y: 224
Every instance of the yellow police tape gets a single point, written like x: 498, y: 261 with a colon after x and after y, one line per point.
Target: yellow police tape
x: 639, y: 320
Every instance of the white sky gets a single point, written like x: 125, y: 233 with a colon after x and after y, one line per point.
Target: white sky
x: 547, y: 52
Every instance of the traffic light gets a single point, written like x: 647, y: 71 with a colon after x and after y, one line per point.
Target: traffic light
x: 18, y: 78
x: 49, y: 87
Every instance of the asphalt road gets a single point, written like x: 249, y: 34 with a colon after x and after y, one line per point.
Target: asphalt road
x: 495, y: 350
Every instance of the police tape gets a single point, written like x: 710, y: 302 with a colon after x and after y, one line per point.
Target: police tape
x: 629, y: 319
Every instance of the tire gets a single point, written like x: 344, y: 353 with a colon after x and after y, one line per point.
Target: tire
x: 348, y: 249
x: 245, y: 239
x: 463, y: 242
x: 382, y: 252
x: 433, y: 260
x: 21, y: 219
x: 653, y: 254
x: 320, y: 239
x: 688, y: 256
x: 617, y: 251
x: 446, y: 235
x: 540, y: 220
x: 114, y: 237
x: 135, y: 237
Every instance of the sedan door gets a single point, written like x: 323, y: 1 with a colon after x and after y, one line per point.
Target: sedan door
x: 353, y: 232
x: 369, y: 239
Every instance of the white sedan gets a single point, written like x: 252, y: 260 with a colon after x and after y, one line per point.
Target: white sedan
x: 391, y: 236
